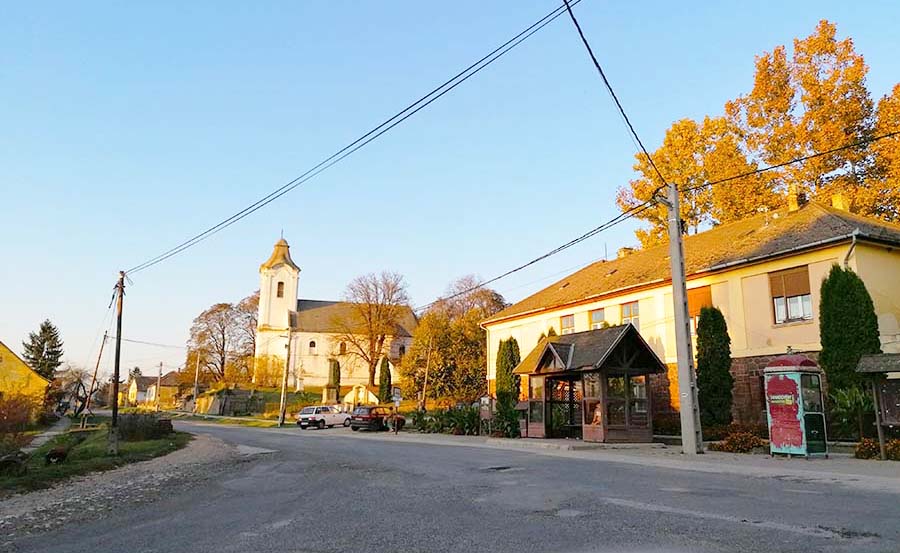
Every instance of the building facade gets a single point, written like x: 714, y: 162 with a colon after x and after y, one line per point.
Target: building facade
x: 764, y: 273
x: 18, y: 379
x: 317, y: 330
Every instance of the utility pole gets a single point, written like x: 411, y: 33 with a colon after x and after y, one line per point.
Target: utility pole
x: 196, y: 380
x: 691, y: 437
x: 87, y: 406
x: 158, y: 384
x: 113, y: 438
x: 287, y: 364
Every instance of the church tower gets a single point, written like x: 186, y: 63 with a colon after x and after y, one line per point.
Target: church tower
x: 279, y: 277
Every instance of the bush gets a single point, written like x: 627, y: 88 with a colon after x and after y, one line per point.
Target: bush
x: 739, y: 442
x: 867, y: 448
x: 714, y: 380
x: 720, y: 432
x: 135, y: 427
x: 15, y: 416
x: 892, y: 450
x: 667, y: 424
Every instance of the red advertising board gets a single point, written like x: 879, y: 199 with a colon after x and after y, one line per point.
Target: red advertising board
x: 785, y: 426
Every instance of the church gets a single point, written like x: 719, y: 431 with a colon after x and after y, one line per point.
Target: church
x: 315, y: 330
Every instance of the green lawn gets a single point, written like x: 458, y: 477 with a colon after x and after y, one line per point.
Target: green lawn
x: 87, y: 456
x: 238, y: 421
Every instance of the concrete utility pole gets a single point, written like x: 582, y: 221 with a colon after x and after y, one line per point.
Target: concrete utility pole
x: 113, y: 437
x: 691, y: 437
x: 158, y: 384
x: 287, y: 364
x: 196, y: 381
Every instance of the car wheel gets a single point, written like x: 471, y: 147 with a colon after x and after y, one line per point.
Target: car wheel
x: 321, y: 425
x: 354, y: 428
x: 346, y: 423
x: 298, y: 423
x: 330, y: 426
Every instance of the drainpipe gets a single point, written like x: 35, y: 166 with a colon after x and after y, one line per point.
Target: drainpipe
x: 853, y: 236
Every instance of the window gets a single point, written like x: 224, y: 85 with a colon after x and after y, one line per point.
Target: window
x: 280, y: 290
x: 698, y: 298
x: 342, y: 349
x: 598, y: 319
x: 312, y: 347
x: 567, y: 324
x: 631, y: 314
x: 536, y: 387
x: 402, y: 351
x: 791, y: 299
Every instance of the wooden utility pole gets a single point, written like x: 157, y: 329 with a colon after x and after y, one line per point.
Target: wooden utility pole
x: 196, y: 380
x: 158, y: 384
x: 284, y: 376
x: 113, y: 438
x: 691, y: 437
x: 87, y: 405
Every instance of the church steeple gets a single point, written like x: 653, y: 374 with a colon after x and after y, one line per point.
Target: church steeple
x: 278, y: 283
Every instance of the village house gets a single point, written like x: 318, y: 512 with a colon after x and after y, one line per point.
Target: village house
x: 18, y: 379
x: 135, y: 390
x: 166, y: 388
x: 318, y: 330
x: 764, y: 273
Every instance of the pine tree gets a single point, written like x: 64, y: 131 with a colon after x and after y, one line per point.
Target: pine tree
x: 44, y: 349
x: 507, y: 388
x: 848, y: 327
x: 384, y: 381
x: 714, y: 380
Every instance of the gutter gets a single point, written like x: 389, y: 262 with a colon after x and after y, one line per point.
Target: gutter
x: 854, y: 234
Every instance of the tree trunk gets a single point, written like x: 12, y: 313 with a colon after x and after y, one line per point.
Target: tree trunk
x: 373, y: 363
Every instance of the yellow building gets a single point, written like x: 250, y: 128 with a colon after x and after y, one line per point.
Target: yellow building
x: 167, y: 391
x: 17, y: 378
x: 764, y: 273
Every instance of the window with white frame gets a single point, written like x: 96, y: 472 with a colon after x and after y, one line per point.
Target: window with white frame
x: 312, y: 347
x: 567, y: 324
x: 791, y: 297
x: 598, y: 319
x: 631, y: 314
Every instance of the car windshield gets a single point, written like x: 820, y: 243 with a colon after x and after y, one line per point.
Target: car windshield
x: 308, y: 411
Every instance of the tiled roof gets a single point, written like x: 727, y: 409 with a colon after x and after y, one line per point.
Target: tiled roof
x: 587, y: 349
x: 170, y: 379
x: 762, y: 236
x: 143, y: 382
x: 326, y: 316
x: 879, y: 363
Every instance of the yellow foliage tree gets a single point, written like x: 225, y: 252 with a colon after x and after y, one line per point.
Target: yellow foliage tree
x: 886, y: 184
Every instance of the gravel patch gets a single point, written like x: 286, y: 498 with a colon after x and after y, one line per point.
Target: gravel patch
x: 90, y: 497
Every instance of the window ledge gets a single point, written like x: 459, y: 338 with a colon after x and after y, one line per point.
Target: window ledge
x: 794, y: 323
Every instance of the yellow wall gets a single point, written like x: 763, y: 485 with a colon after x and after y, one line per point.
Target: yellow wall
x: 744, y: 298
x: 17, y: 378
x: 166, y: 396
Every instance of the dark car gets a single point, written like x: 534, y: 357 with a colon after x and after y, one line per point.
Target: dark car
x: 373, y: 417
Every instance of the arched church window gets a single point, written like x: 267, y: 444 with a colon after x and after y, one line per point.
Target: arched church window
x: 342, y: 349
x: 402, y: 351
x: 280, y: 292
x: 312, y: 347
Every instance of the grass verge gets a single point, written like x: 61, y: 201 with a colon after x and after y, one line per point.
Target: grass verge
x: 87, y: 456
x: 233, y: 421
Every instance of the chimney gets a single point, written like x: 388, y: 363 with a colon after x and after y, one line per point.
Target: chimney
x: 624, y: 252
x: 839, y: 201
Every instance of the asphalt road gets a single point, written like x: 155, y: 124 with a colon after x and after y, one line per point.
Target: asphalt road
x: 325, y: 491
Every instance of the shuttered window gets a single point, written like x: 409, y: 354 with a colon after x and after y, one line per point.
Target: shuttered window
x: 698, y: 298
x: 791, y: 298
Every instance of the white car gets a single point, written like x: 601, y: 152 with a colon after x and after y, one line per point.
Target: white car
x: 322, y: 416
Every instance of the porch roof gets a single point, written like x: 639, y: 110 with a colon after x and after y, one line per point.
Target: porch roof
x: 616, y: 347
x: 879, y: 363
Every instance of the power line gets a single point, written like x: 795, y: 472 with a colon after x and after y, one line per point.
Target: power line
x: 363, y: 140
x: 609, y: 88
x: 143, y: 342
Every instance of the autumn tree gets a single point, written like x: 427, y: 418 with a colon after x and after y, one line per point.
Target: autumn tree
x: 451, y: 342
x: 215, y: 332
x: 44, y: 349
x: 378, y: 305
x: 885, y: 184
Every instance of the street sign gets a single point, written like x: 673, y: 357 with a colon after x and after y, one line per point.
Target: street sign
x: 396, y: 395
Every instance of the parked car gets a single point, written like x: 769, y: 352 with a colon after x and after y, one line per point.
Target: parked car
x: 321, y: 416
x: 373, y: 417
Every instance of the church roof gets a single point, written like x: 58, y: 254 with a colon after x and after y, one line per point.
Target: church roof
x: 281, y: 255
x: 332, y: 316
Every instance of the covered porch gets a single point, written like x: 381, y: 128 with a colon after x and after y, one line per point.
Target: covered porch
x: 591, y: 386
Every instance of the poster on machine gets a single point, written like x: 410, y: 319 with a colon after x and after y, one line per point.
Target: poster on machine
x: 783, y: 406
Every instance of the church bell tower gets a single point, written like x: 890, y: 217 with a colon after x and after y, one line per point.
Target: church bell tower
x: 279, y: 278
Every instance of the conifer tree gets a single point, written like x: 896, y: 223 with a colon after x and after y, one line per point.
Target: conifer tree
x: 44, y: 349
x: 384, y: 381
x: 714, y: 380
x: 507, y: 387
x: 848, y: 327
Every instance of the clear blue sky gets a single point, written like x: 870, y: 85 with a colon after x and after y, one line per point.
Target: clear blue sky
x: 127, y: 128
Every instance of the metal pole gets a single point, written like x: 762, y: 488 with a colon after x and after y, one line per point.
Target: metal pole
x: 87, y: 406
x: 158, y: 384
x: 691, y: 437
x: 113, y: 438
x: 196, y: 381
x: 876, y: 397
x: 287, y: 363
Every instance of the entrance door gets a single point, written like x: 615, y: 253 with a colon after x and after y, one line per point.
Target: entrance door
x: 564, y: 408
